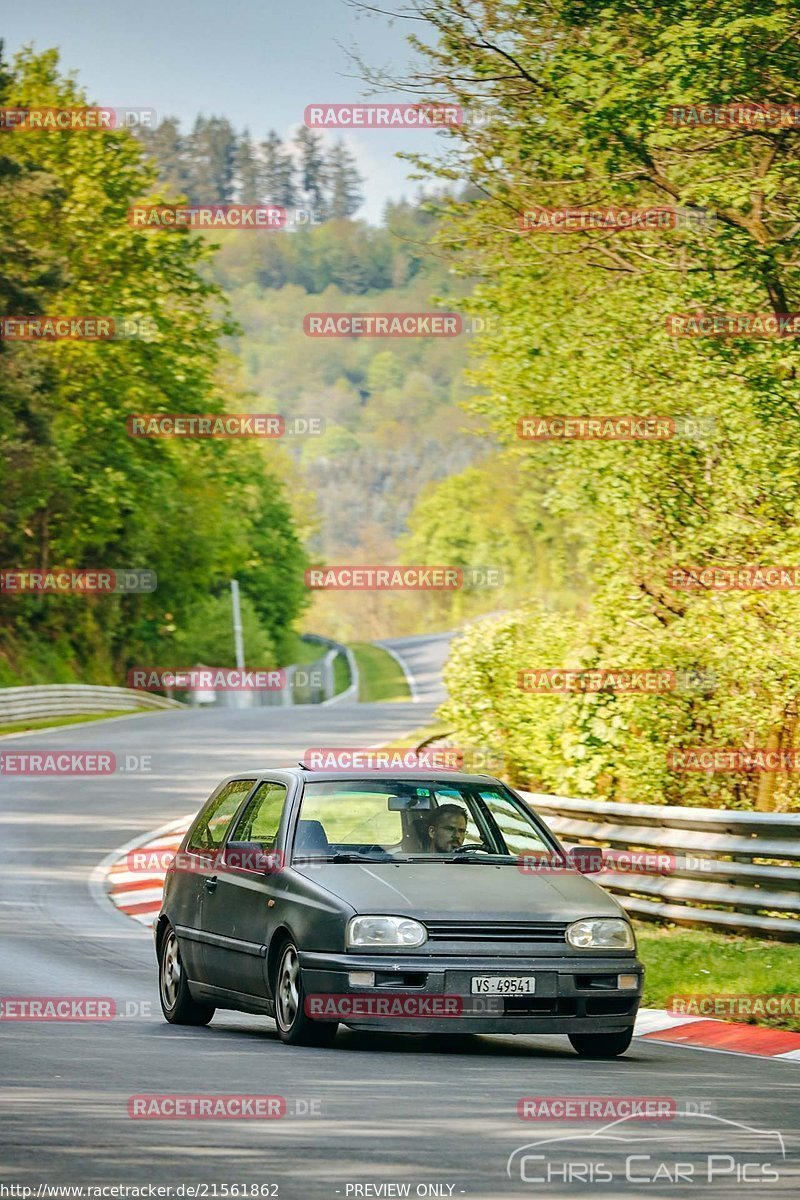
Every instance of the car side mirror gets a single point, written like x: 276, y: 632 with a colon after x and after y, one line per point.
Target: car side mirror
x: 251, y: 856
x: 586, y: 859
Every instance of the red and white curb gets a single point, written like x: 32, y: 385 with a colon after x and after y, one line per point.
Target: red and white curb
x: 701, y: 1033
x: 137, y: 894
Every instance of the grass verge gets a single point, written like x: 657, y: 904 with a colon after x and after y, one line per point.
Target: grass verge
x: 380, y: 675
x: 702, y: 962
x: 51, y: 722
x: 341, y: 674
x: 298, y: 651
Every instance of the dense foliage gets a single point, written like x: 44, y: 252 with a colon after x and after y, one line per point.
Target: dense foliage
x: 390, y: 405
x: 577, y: 97
x: 75, y: 489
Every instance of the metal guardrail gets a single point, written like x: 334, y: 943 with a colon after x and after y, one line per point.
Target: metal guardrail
x: 351, y: 691
x: 73, y: 699
x: 728, y: 870
x: 305, y: 683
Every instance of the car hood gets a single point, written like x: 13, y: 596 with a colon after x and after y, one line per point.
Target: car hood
x: 468, y: 891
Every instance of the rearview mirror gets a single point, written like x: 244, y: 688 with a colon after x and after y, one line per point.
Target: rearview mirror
x: 410, y: 803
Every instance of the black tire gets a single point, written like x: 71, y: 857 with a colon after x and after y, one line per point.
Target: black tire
x: 601, y: 1045
x: 177, y: 1004
x: 294, y: 1027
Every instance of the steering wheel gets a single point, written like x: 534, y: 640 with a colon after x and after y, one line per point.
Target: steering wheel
x: 473, y: 846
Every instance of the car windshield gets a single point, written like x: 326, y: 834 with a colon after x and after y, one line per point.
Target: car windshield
x: 408, y: 820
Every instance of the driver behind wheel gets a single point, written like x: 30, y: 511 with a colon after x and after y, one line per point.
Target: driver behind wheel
x: 447, y: 829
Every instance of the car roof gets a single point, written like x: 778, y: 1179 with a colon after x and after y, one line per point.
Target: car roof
x: 363, y: 775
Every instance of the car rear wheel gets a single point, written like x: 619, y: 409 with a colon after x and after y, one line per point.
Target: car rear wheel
x: 177, y: 1004
x: 601, y: 1045
x: 294, y: 1027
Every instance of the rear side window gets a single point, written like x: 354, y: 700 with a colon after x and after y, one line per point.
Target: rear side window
x: 209, y: 832
x: 261, y: 818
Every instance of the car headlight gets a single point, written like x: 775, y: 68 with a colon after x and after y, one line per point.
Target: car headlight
x: 385, y: 931
x: 601, y: 933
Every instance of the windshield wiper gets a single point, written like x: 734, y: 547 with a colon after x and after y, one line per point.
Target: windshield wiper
x: 473, y: 856
x: 354, y: 856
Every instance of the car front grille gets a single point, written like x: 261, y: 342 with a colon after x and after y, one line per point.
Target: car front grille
x: 496, y: 931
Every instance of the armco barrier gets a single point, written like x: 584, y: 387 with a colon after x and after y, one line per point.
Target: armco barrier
x: 734, y: 871
x: 351, y: 691
x: 73, y: 699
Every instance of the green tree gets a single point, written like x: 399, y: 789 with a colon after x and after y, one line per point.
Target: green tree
x: 247, y: 170
x: 277, y: 172
x: 578, y: 99
x: 166, y: 147
x: 207, y: 636
x: 312, y: 171
x: 78, y: 491
x: 344, y: 182
x: 211, y: 152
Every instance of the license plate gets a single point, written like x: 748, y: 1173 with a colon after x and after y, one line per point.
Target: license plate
x: 503, y: 985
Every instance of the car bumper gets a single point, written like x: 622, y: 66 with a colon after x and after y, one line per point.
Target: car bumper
x: 428, y: 994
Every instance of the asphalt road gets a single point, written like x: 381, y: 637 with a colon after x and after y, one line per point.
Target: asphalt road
x: 372, y: 1111
x: 424, y: 658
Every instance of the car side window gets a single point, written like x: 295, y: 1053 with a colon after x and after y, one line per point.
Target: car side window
x: 209, y: 833
x: 260, y: 820
x: 518, y: 833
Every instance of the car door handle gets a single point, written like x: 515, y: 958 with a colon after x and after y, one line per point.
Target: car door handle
x: 211, y: 884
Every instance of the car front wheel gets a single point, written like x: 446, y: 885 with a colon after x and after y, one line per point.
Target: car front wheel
x: 601, y: 1045
x: 294, y: 1027
x: 177, y: 1004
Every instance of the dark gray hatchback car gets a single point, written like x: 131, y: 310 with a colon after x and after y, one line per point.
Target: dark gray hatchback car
x: 417, y: 902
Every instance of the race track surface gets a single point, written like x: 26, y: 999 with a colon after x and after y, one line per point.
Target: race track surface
x: 381, y: 1109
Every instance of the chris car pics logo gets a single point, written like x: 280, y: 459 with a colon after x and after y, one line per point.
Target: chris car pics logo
x: 690, y: 1149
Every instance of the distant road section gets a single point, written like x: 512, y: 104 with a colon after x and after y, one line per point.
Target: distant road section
x: 422, y: 659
